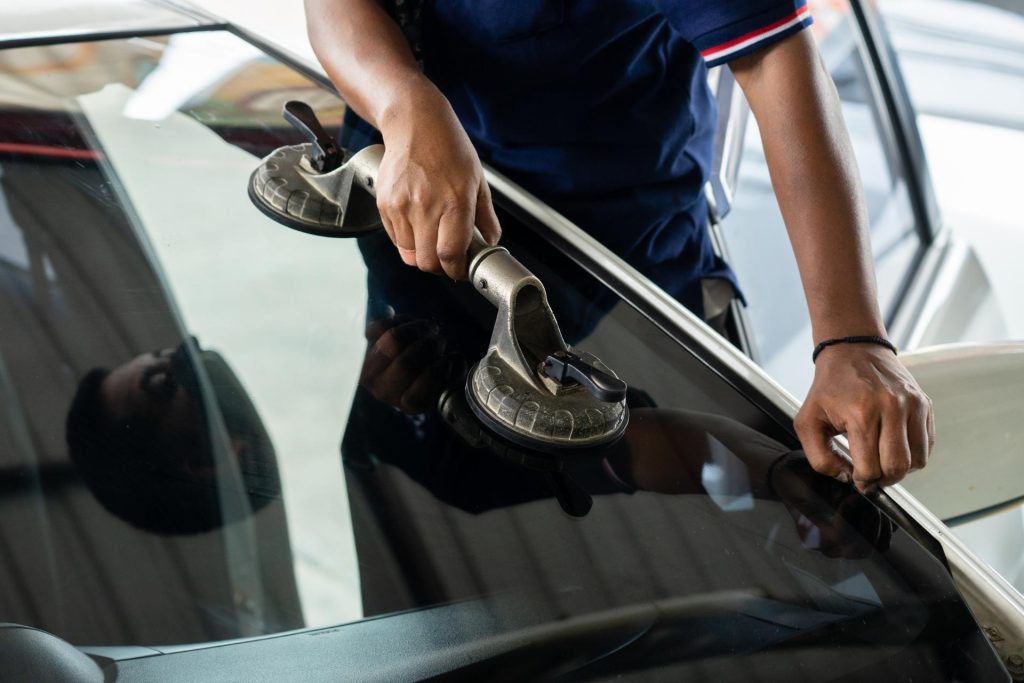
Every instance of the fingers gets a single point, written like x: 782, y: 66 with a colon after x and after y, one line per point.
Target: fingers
x: 422, y: 394
x: 402, y: 383
x: 893, y: 447
x: 868, y: 394
x: 486, y: 219
x: 403, y: 371
x: 375, y: 328
x: 816, y: 438
x: 403, y: 237
x: 401, y: 334
x: 889, y: 439
x: 388, y: 338
x: 453, y: 237
x: 863, y: 430
x: 430, y: 219
x: 907, y: 433
x: 432, y: 235
x: 921, y: 434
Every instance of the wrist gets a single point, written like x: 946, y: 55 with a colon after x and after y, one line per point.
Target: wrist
x: 410, y: 99
x: 843, y: 307
x: 837, y: 328
x: 855, y: 341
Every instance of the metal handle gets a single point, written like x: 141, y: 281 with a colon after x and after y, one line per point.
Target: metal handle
x: 566, y: 367
x: 326, y: 155
x: 477, y: 246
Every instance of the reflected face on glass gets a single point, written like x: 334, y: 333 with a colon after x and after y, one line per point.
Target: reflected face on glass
x: 152, y: 388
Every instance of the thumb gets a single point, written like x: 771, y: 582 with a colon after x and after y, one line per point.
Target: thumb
x: 816, y: 434
x: 486, y: 219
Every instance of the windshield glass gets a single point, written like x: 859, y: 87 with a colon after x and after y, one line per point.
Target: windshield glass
x: 215, y: 427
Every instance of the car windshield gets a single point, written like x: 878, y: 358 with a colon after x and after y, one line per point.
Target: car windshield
x: 216, y: 428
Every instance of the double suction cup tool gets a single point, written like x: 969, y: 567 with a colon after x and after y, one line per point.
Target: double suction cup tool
x: 530, y: 387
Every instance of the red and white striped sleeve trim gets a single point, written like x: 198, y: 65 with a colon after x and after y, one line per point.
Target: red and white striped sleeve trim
x: 747, y: 42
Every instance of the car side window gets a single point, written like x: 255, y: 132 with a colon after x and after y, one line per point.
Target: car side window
x: 754, y: 233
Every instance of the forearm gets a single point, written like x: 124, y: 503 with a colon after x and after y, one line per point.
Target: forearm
x: 431, y: 189
x: 815, y: 177
x: 367, y: 58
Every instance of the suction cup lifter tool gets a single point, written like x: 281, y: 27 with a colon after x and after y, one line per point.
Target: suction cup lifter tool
x: 530, y: 387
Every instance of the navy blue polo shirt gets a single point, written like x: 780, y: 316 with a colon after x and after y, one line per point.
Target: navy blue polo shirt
x: 601, y: 108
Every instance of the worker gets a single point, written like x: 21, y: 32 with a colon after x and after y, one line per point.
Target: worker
x: 602, y: 109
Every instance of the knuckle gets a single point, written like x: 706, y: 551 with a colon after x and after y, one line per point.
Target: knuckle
x: 861, y: 414
x: 896, y: 469
x: 449, y: 255
x: 823, y: 464
x: 452, y: 202
x: 892, y: 401
x: 808, y: 419
x: 419, y: 198
x: 427, y: 262
x: 867, y: 471
x: 399, y: 202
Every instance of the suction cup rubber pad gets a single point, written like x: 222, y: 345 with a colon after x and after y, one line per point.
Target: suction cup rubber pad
x: 521, y: 414
x: 280, y: 191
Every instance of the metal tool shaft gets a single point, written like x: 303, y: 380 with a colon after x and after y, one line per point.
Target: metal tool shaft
x: 503, y: 272
x: 526, y: 330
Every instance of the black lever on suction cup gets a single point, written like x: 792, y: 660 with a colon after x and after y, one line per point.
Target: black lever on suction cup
x: 565, y: 365
x: 325, y: 155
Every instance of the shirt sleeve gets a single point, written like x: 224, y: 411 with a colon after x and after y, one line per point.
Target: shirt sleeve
x: 724, y: 30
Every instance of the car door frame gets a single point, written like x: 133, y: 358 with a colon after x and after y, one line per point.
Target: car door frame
x: 898, y: 128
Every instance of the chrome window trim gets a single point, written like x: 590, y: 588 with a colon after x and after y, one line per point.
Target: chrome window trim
x: 61, y: 37
x: 896, y: 101
x: 313, y: 72
x: 994, y: 602
x: 192, y: 19
x: 922, y: 297
x: 631, y: 285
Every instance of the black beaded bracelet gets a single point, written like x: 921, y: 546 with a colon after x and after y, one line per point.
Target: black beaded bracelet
x: 878, y: 341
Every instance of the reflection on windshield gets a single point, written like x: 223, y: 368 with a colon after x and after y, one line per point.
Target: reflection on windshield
x: 121, y: 237
x: 691, y: 504
x: 135, y: 464
x: 138, y: 434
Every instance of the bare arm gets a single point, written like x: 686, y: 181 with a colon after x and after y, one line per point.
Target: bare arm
x: 859, y: 390
x: 431, y: 187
